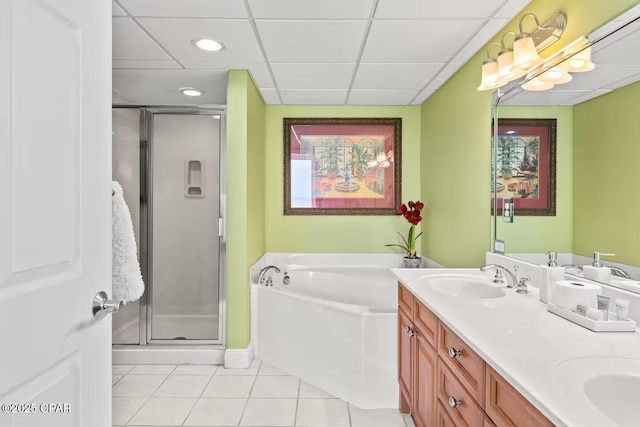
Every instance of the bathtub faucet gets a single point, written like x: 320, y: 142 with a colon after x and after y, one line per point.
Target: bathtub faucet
x: 263, y: 275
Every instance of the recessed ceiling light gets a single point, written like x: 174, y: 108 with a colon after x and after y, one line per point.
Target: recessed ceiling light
x: 510, y: 132
x: 190, y: 91
x: 208, y: 45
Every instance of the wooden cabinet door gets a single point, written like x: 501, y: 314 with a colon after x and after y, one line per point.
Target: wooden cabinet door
x: 442, y: 417
x: 424, y: 377
x: 406, y: 344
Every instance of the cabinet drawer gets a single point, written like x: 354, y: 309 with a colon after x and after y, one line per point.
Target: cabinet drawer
x: 426, y: 322
x: 466, y: 412
x: 405, y: 300
x: 488, y: 423
x: 463, y: 362
x: 442, y: 417
x: 508, y: 408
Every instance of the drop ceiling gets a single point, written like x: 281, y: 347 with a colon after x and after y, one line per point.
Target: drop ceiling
x: 617, y: 61
x: 357, y: 52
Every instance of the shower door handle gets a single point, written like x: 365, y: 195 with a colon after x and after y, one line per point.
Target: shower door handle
x: 102, y: 305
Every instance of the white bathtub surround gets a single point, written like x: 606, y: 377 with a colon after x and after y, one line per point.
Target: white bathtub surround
x: 532, y: 348
x: 126, y: 278
x: 238, y: 358
x: 332, y: 325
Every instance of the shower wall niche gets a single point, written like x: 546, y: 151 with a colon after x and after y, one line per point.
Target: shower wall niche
x: 169, y: 164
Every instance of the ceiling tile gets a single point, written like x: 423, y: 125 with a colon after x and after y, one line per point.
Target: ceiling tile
x: 417, y: 41
x: 312, y: 41
x: 270, y: 96
x: 177, y: 35
x: 436, y: 9
x: 395, y: 76
x: 444, y: 75
x: 623, y: 51
x: 511, y: 8
x: 311, y: 9
x: 186, y: 8
x: 587, y: 96
x: 130, y: 42
x: 117, y: 10
x: 381, y: 97
x: 547, y: 97
x: 160, y: 87
x: 601, y: 76
x: 259, y: 70
x: 486, y: 33
x: 423, y: 96
x: 313, y: 76
x: 313, y: 97
x: 623, y: 82
x: 147, y: 65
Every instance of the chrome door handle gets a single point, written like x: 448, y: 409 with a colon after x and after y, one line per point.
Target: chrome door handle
x: 102, y: 305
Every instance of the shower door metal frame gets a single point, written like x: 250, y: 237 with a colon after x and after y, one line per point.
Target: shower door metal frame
x: 146, y: 220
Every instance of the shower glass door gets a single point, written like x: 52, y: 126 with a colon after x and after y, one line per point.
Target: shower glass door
x: 184, y: 299
x: 168, y: 162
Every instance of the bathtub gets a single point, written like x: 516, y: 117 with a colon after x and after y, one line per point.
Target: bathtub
x: 333, y: 327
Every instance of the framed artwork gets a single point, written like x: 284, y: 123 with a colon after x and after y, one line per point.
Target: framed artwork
x: 342, y: 166
x: 525, y: 165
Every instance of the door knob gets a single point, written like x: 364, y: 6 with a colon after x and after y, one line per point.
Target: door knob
x: 102, y: 305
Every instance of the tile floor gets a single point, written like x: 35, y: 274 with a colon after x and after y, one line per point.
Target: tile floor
x: 191, y: 395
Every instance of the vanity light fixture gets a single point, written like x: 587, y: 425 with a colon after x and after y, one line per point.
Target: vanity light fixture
x: 516, y: 62
x: 578, y: 63
x: 537, y: 85
x: 190, y: 91
x: 490, y: 73
x: 209, y: 45
x: 555, y: 75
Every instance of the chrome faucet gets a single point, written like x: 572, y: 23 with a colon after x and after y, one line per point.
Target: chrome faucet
x: 512, y: 280
x: 262, y: 276
x: 617, y: 271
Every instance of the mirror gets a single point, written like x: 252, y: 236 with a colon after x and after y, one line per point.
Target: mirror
x: 597, y: 114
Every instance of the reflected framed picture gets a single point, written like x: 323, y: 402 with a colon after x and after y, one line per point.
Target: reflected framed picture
x: 342, y: 166
x: 525, y: 165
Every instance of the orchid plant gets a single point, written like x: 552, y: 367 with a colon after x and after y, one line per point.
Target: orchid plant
x: 412, y: 215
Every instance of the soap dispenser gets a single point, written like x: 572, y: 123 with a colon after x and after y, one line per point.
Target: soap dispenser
x: 551, y: 273
x: 597, y: 271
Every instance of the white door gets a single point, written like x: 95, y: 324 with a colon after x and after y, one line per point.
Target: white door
x: 55, y: 212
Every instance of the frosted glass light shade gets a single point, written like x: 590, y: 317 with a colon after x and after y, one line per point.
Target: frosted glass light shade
x: 555, y: 75
x: 490, y: 76
x: 525, y: 54
x: 506, y: 68
x: 537, y: 85
x: 578, y: 63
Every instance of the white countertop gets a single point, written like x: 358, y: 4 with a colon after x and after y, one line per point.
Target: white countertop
x: 528, y: 346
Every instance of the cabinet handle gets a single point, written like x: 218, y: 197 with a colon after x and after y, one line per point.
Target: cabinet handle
x: 453, y: 353
x: 453, y: 402
x: 410, y: 331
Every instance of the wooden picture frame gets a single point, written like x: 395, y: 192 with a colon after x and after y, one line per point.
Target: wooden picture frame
x: 342, y: 166
x: 525, y: 165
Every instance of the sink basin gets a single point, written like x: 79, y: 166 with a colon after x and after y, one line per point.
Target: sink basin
x: 617, y: 397
x: 605, y: 388
x: 462, y: 286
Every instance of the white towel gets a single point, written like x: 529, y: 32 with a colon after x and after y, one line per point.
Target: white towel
x: 126, y: 278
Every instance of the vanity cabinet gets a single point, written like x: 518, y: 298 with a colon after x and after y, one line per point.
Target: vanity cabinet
x: 444, y: 383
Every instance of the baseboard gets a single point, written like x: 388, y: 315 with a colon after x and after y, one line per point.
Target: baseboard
x: 238, y: 358
x: 167, y: 355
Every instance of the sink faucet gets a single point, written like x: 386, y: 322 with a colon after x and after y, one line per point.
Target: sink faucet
x: 616, y: 271
x: 511, y: 283
x: 263, y: 274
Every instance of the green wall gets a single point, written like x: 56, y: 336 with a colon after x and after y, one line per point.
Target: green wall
x: 336, y: 233
x: 606, y: 178
x: 245, y: 199
x: 544, y: 233
x: 455, y: 141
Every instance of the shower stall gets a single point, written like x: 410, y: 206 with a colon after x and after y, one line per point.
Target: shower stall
x: 170, y: 163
